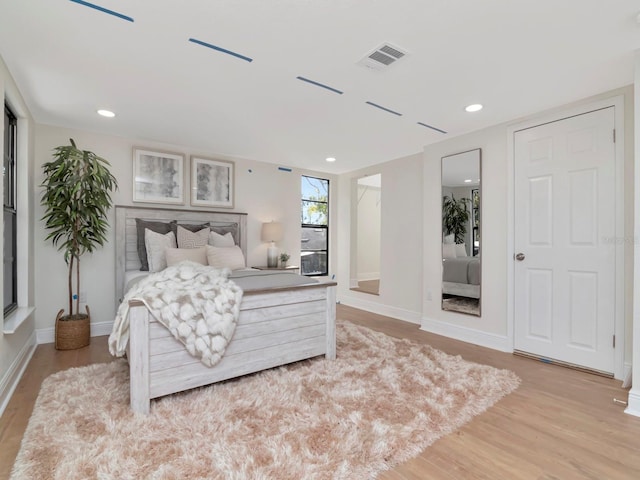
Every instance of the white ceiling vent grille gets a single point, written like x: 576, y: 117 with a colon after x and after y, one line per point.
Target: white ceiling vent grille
x: 382, y: 57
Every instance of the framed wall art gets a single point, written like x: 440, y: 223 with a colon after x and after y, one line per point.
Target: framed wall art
x: 211, y: 182
x: 158, y: 177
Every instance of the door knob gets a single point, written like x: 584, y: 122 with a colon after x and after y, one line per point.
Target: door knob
x: 519, y: 256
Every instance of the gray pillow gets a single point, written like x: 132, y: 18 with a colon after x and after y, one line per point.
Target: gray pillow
x: 158, y: 227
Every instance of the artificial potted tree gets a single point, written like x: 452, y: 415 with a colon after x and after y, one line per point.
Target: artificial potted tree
x: 77, y: 198
x: 455, y: 217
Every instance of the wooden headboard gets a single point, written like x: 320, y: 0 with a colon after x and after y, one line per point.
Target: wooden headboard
x: 126, y: 235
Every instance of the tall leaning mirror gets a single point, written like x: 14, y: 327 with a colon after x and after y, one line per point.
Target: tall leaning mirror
x: 365, y: 234
x: 461, y: 232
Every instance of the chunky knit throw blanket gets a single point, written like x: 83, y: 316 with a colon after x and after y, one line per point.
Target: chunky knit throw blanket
x: 198, y: 304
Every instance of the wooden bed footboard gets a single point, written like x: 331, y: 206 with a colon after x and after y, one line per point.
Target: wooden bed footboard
x: 275, y: 327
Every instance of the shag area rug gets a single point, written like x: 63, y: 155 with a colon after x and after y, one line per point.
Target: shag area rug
x: 462, y: 304
x: 381, y: 402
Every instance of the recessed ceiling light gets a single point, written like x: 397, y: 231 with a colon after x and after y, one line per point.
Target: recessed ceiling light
x: 468, y: 180
x: 331, y: 159
x: 106, y: 113
x: 476, y: 107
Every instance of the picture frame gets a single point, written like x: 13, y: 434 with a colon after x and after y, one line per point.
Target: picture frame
x: 158, y: 177
x: 212, y: 182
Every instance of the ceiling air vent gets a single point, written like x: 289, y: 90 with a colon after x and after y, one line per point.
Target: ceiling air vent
x: 382, y: 57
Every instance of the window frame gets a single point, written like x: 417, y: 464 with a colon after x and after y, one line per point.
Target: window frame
x: 9, y: 201
x: 324, y: 227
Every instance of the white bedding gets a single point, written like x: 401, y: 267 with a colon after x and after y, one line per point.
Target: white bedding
x: 132, y: 277
x: 197, y: 304
x: 193, y: 310
x: 245, y: 278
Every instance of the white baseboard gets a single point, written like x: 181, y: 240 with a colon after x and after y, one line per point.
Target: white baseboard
x: 380, y: 309
x: 48, y: 335
x: 469, y: 335
x: 633, y: 402
x: 10, y: 380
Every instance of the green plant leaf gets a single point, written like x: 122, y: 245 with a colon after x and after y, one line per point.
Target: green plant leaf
x: 455, y: 217
x: 76, y: 198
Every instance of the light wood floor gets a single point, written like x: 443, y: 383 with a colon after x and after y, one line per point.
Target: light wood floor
x: 560, y: 424
x: 368, y: 286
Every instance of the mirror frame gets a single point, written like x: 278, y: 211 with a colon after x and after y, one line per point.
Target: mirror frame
x: 464, y: 309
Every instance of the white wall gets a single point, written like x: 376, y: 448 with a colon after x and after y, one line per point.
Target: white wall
x: 633, y: 407
x: 406, y: 259
x: 16, y: 348
x: 261, y: 190
x: 493, y: 142
x: 369, y: 206
x: 400, y: 240
x: 491, y: 328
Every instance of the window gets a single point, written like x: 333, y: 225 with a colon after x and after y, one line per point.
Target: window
x: 314, y: 251
x: 10, y: 214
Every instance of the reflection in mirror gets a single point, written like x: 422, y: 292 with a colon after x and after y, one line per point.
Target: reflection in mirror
x: 365, y: 270
x: 461, y: 228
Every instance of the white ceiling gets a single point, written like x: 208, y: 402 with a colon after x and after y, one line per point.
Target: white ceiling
x: 461, y: 169
x: 515, y: 57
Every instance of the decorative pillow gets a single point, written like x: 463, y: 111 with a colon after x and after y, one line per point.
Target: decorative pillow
x: 448, y: 250
x: 451, y: 238
x: 226, y: 257
x: 461, y: 250
x: 192, y: 227
x: 189, y: 239
x: 158, y: 227
x: 156, y: 244
x: 177, y: 255
x: 218, y: 240
x: 224, y: 229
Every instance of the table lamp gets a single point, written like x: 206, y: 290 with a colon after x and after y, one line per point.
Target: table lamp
x: 272, y: 232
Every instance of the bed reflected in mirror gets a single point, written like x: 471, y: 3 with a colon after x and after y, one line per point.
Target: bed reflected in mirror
x: 461, y: 232
x: 365, y: 266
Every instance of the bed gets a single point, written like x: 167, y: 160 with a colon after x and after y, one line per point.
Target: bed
x: 461, y: 276
x: 277, y: 324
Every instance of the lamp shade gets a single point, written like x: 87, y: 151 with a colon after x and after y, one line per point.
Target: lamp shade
x: 271, y: 232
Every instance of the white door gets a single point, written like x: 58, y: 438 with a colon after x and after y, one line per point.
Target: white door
x: 565, y: 232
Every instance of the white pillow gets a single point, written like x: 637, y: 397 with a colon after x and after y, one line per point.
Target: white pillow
x: 189, y: 239
x: 461, y: 250
x: 177, y: 255
x: 218, y: 240
x: 448, y: 250
x: 451, y: 238
x: 226, y: 257
x: 156, y: 243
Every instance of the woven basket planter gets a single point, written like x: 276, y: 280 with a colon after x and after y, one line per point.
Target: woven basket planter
x: 72, y: 334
